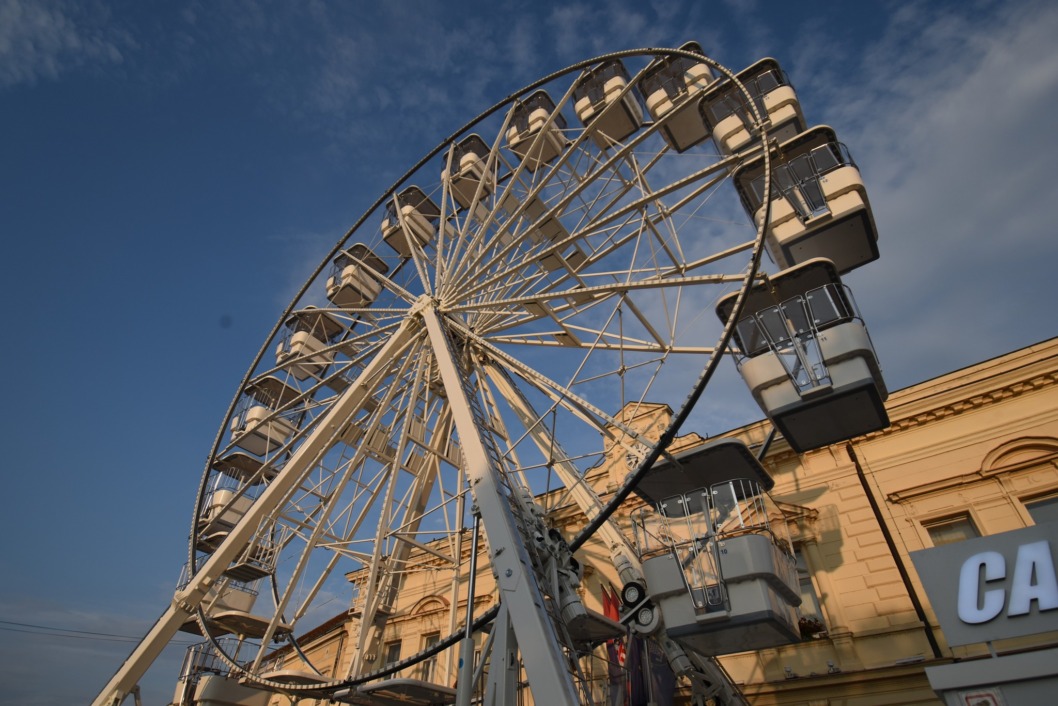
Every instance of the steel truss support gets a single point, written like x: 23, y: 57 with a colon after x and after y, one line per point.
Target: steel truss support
x: 520, y: 594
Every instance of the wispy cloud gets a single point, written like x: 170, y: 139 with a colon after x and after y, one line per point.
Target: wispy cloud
x: 417, y: 68
x: 951, y: 124
x: 40, y: 40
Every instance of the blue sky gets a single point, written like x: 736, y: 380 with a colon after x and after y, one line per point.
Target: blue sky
x: 171, y: 172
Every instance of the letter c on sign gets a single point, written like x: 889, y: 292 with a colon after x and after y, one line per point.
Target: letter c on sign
x: 976, y: 606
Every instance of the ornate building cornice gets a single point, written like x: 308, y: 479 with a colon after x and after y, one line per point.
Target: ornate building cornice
x: 998, y: 393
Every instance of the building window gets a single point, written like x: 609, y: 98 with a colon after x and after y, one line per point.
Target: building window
x: 1043, y: 509
x: 429, y: 666
x: 392, y: 652
x: 809, y: 616
x: 951, y: 529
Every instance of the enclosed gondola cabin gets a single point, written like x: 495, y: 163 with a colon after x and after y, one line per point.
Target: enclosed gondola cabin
x: 406, y: 692
x: 819, y: 205
x: 256, y: 561
x: 716, y: 559
x: 671, y: 87
x: 244, y: 468
x: 228, y: 609
x: 258, y: 426
x: 354, y: 280
x: 227, y: 598
x: 224, y: 504
x: 212, y: 689
x: 604, y: 106
x: 716, y: 462
x: 535, y: 131
x: 410, y: 217
x: 308, y: 331
x: 467, y: 176
x: 222, y: 508
x: 730, y: 121
x: 807, y: 358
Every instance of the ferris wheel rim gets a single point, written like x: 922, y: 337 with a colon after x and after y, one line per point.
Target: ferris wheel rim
x: 658, y: 449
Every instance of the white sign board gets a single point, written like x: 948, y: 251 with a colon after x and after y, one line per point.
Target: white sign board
x: 995, y: 587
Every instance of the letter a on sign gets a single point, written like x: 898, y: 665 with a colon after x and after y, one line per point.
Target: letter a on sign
x: 1034, y: 579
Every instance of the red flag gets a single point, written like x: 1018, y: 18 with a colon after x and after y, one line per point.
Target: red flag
x: 615, y: 650
x: 610, y: 604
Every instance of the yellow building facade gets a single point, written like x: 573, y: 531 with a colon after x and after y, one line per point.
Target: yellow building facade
x: 970, y: 453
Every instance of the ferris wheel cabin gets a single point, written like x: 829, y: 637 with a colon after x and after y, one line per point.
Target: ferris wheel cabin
x: 410, y: 216
x: 353, y: 282
x: 258, y: 426
x: 671, y: 87
x: 222, y: 508
x: 819, y: 205
x: 208, y: 685
x: 228, y: 607
x: 606, y: 105
x: 729, y: 120
x: 717, y: 560
x: 467, y: 177
x: 245, y: 468
x: 223, y: 598
x: 310, y: 330
x: 535, y: 132
x: 807, y: 358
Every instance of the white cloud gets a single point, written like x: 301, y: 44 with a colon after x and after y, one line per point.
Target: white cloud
x: 41, y: 40
x: 301, y: 256
x: 950, y: 118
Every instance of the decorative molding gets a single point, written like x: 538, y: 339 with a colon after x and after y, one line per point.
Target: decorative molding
x: 981, y: 475
x: 998, y: 459
x: 964, y: 404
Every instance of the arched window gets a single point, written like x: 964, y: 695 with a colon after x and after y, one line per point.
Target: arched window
x: 1020, y: 453
x: 1032, y: 465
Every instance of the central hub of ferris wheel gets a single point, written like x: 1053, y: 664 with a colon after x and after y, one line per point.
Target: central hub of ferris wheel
x: 423, y: 302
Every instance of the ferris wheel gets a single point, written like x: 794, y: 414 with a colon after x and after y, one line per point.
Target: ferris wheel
x: 469, y: 361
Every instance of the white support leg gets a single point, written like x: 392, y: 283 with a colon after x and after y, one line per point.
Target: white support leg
x: 186, y: 601
x: 502, y: 688
x: 546, y: 663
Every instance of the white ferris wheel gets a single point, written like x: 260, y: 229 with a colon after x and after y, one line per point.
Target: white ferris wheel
x: 465, y: 362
